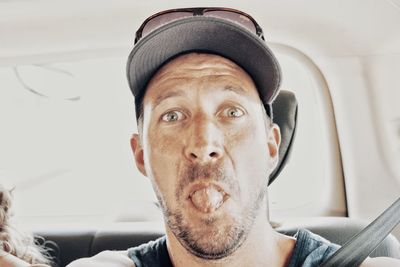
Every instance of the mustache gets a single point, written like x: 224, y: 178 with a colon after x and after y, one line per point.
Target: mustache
x: 210, y: 171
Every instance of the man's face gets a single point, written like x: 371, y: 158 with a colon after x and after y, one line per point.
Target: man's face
x: 208, y: 150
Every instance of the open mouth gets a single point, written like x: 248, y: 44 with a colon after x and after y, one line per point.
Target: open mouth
x: 207, y: 198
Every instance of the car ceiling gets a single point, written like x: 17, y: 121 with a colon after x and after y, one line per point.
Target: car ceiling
x: 41, y: 31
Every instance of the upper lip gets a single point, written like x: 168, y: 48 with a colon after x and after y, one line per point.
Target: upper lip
x: 200, y: 185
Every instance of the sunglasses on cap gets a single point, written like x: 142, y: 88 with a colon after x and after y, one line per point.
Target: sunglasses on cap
x: 164, y: 17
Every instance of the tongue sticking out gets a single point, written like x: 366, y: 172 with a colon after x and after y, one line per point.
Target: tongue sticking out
x: 207, y: 199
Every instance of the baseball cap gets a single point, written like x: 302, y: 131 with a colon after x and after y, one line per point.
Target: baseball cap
x: 196, y: 31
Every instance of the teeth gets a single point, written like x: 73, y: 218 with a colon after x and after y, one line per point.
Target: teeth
x: 207, y: 199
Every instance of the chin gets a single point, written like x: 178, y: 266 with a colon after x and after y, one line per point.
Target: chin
x: 211, y: 238
x: 213, y: 244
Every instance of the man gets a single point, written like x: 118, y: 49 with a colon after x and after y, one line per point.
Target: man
x: 204, y: 81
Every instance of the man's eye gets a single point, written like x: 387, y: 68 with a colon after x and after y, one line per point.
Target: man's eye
x: 172, y: 116
x: 233, y: 112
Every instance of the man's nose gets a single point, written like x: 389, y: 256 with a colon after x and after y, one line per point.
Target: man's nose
x: 205, y: 143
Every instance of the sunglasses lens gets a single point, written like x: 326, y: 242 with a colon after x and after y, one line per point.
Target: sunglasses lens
x: 233, y: 16
x: 162, y: 19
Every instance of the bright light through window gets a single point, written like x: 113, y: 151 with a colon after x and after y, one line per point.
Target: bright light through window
x: 66, y: 150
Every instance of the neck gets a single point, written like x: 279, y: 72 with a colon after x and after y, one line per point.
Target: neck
x: 263, y: 247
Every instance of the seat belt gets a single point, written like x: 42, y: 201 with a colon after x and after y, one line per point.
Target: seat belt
x: 358, y: 248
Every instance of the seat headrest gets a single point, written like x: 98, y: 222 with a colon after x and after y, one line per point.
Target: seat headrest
x: 285, y: 116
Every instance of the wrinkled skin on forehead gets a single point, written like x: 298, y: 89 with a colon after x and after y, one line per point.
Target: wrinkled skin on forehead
x: 208, y: 149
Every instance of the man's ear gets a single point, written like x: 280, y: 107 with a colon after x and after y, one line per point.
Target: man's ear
x: 274, y: 141
x: 138, y: 153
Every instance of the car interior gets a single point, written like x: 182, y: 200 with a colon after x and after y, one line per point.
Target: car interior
x: 67, y: 116
x: 79, y: 243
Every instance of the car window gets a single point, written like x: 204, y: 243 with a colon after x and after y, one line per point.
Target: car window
x: 313, y: 175
x: 382, y: 72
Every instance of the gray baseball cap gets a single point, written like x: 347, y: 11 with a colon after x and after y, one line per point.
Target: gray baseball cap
x: 208, y: 35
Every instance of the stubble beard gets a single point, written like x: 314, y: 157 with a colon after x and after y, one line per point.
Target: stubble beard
x: 211, y: 241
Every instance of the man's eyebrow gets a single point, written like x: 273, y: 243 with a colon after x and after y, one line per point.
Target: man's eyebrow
x: 236, y: 89
x: 166, y: 95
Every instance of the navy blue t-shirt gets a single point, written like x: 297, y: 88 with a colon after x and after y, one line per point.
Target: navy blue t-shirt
x: 310, y: 251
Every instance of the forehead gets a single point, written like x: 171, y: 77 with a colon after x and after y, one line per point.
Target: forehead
x: 202, y: 69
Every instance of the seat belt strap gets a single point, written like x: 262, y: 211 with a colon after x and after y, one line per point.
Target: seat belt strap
x: 358, y: 248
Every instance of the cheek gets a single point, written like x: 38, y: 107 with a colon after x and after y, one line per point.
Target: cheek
x: 249, y: 142
x: 249, y: 153
x: 164, y: 148
x: 162, y: 158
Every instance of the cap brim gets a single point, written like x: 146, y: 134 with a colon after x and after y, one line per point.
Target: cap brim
x: 206, y: 34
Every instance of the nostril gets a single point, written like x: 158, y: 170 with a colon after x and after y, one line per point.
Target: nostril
x: 203, y: 155
x: 213, y: 154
